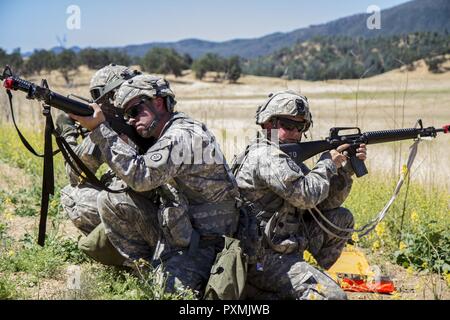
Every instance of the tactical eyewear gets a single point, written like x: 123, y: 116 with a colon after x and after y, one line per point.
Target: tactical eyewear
x: 96, y: 93
x: 290, y: 125
x: 134, y: 110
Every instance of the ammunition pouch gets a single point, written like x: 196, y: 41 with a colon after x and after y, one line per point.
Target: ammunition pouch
x: 176, y: 226
x: 214, y: 219
x: 199, y: 224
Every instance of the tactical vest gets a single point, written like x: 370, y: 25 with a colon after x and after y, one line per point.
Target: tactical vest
x: 207, y: 219
x: 276, y: 227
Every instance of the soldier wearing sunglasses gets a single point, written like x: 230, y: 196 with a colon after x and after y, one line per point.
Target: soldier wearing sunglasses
x: 277, y: 192
x: 79, y: 198
x: 198, y: 194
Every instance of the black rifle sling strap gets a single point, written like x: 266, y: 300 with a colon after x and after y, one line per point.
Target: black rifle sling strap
x: 21, y: 136
x: 79, y: 167
x: 48, y: 183
x: 48, y: 179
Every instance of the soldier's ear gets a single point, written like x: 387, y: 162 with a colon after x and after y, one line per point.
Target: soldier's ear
x: 158, y: 102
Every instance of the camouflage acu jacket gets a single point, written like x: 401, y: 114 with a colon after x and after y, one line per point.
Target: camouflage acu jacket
x: 187, y: 157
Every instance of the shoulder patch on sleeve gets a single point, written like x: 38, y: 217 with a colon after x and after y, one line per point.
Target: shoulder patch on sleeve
x: 158, y: 154
x: 294, y: 167
x: 156, y: 157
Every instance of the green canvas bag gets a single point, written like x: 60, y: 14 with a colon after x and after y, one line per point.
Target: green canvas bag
x: 97, y: 246
x: 228, y: 274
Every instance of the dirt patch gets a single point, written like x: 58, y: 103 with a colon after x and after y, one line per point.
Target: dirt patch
x: 13, y: 178
x: 410, y: 285
x: 19, y: 226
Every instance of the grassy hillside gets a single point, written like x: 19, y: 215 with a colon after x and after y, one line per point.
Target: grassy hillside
x: 345, y: 58
x: 414, y: 253
x: 410, y: 17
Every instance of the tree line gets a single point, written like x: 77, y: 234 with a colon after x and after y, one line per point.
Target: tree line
x: 325, y: 58
x: 321, y: 58
x: 156, y: 60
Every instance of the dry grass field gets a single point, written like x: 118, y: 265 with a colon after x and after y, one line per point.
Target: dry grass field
x: 392, y: 100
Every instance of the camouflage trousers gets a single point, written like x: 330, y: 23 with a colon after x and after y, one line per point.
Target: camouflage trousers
x: 80, y: 204
x: 131, y: 224
x: 288, y: 276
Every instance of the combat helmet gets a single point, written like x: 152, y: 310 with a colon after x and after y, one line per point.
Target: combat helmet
x: 106, y: 80
x: 145, y: 85
x: 284, y: 103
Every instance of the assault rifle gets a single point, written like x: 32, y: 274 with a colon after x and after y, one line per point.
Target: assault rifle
x: 113, y: 115
x: 302, y: 151
x: 52, y: 99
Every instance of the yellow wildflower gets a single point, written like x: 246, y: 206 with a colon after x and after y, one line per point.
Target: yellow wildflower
x: 8, y: 201
x: 410, y: 270
x: 404, y: 170
x: 414, y: 217
x: 355, y: 237
x: 380, y: 229
x: 376, y: 245
x: 8, y: 215
x: 447, y: 278
x: 11, y: 253
x: 308, y: 257
x: 54, y: 203
x: 402, y: 245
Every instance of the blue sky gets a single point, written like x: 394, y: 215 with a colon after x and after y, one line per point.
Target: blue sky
x: 37, y: 24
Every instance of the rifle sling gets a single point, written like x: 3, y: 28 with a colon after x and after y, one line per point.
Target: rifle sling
x: 48, y: 181
x: 21, y: 136
x: 79, y: 167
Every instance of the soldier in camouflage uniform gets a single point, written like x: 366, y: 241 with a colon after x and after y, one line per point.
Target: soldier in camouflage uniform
x: 197, y: 188
x: 79, y: 198
x: 280, y: 191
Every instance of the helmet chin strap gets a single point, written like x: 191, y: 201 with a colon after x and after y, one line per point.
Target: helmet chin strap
x: 150, y: 129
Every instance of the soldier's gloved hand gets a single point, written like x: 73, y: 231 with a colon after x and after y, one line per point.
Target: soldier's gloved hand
x: 66, y: 127
x: 337, y: 155
x: 93, y: 121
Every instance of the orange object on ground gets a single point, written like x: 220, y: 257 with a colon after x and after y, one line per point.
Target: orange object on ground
x: 353, y: 273
x: 363, y: 285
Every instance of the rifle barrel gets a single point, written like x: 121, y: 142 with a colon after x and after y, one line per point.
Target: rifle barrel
x: 52, y: 98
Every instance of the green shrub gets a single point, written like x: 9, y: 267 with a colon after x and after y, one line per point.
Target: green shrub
x: 426, y: 248
x: 8, y: 289
x: 422, y: 240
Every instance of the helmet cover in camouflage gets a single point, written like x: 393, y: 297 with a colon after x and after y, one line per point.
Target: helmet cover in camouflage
x: 109, y: 78
x: 143, y: 85
x: 284, y: 103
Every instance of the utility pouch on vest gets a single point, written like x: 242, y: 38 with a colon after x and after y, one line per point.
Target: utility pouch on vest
x: 97, y: 246
x: 228, y: 274
x: 214, y: 218
x: 176, y: 226
x: 249, y: 234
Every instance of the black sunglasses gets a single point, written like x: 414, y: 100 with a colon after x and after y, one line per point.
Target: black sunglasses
x: 133, y: 111
x: 96, y: 93
x: 290, y: 125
